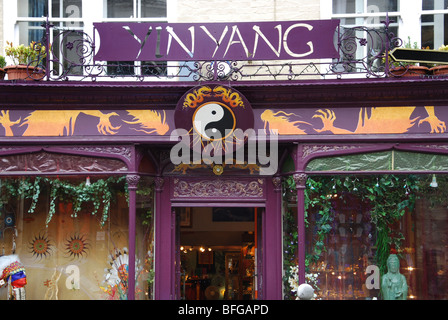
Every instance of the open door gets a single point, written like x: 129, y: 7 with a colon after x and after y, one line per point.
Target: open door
x: 218, y: 253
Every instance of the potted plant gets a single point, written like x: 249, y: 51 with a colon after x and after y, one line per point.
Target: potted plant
x: 2, y: 65
x: 441, y: 69
x: 407, y: 69
x: 25, y: 61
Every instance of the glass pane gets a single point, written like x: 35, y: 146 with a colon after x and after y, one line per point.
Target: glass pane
x: 425, y: 265
x: 382, y: 6
x: 362, y: 222
x: 357, y: 6
x: 32, y: 8
x: 348, y: 249
x: 434, y: 4
x: 71, y: 242
x: 387, y: 160
x: 120, y: 68
x: 153, y: 8
x: 152, y: 68
x: 67, y: 8
x: 344, y: 6
x: 67, y: 47
x: 428, y: 4
x: 30, y: 31
x: 48, y: 162
x: 366, y: 161
x: 434, y: 30
x: 120, y: 9
x: 145, y: 240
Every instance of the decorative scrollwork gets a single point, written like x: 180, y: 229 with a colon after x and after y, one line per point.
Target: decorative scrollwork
x: 224, y: 188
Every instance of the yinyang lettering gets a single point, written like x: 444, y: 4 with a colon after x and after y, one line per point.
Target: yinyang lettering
x: 216, y: 41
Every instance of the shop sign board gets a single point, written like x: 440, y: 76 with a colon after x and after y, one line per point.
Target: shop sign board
x: 419, y: 56
x: 279, y: 40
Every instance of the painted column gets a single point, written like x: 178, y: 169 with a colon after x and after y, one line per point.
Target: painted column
x: 300, y: 180
x: 272, y: 242
x: 164, y: 275
x: 132, y: 181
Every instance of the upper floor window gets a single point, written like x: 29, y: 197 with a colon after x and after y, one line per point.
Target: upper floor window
x: 423, y: 21
x: 62, y: 13
x: 135, y: 9
x: 369, y: 14
x: 434, y: 26
x: 68, y: 15
x: 138, y: 10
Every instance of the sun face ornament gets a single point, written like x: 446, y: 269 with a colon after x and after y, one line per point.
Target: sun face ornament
x: 40, y: 246
x: 214, y: 116
x: 76, y: 246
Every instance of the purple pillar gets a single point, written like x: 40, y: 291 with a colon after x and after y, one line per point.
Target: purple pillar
x: 300, y: 180
x: 132, y: 181
x: 272, y: 242
x: 164, y: 274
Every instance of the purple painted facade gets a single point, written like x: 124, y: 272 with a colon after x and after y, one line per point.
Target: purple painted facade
x: 127, y: 121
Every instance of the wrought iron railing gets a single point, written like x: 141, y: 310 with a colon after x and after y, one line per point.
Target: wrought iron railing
x: 363, y: 52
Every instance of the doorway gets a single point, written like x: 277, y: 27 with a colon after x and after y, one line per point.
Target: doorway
x: 219, y: 253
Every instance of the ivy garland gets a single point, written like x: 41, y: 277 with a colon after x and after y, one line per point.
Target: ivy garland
x: 389, y: 196
x: 99, y: 193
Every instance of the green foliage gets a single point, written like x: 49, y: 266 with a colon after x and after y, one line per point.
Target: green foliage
x: 100, y: 193
x: 22, y: 54
x: 2, y: 62
x: 389, y: 196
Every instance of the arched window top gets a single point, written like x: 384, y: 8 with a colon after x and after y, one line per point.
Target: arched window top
x: 392, y: 160
x: 47, y: 162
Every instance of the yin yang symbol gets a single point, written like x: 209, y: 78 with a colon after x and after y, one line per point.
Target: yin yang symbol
x: 214, y: 121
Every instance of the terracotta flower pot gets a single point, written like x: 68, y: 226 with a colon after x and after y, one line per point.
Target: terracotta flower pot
x: 23, y: 72
x: 409, y: 71
x: 439, y: 70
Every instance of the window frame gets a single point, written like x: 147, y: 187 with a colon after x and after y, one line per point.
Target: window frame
x: 408, y: 17
x: 91, y: 12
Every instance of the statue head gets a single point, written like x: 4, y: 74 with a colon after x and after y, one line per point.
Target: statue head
x: 393, y: 263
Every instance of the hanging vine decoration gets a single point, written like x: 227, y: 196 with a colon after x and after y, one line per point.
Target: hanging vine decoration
x: 100, y: 193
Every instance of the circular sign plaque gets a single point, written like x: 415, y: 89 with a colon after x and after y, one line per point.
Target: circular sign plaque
x: 216, y: 117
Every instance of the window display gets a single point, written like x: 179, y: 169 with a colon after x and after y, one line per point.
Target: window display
x: 373, y: 237
x: 68, y: 238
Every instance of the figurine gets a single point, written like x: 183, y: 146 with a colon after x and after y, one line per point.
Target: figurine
x: 393, y: 283
x: 12, y: 271
x: 305, y: 292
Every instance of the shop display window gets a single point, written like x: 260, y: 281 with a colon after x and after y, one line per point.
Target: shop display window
x: 71, y: 235
x: 355, y: 223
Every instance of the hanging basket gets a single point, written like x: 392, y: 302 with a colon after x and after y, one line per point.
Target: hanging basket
x: 24, y: 72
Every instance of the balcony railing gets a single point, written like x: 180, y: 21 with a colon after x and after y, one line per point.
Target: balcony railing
x: 362, y: 53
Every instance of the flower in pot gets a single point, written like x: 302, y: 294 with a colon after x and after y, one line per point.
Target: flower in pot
x: 2, y: 65
x: 440, y: 69
x: 26, y: 60
x: 406, y: 69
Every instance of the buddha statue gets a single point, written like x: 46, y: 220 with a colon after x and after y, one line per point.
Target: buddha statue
x: 393, y: 283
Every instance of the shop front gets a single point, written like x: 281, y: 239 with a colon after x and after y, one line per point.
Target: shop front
x: 224, y: 189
